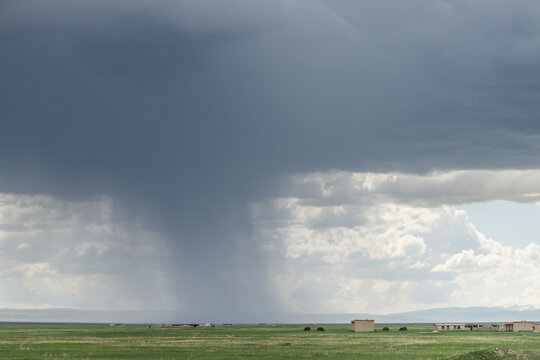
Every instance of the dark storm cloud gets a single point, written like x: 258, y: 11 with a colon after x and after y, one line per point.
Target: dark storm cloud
x: 188, y: 111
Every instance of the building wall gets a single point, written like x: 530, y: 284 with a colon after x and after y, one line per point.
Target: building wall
x: 517, y: 326
x: 524, y: 326
x: 487, y: 327
x: 449, y: 327
x: 363, y: 325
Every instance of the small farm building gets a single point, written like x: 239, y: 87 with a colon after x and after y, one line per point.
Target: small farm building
x: 520, y: 326
x: 449, y: 327
x: 363, y: 325
x: 516, y: 326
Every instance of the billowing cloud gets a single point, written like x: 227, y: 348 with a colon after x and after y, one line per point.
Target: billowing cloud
x: 355, y: 242
x: 77, y: 254
x: 433, y: 189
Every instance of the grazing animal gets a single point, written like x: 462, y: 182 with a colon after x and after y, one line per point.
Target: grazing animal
x: 307, y: 328
x: 404, y: 328
x: 320, y: 329
x: 385, y: 329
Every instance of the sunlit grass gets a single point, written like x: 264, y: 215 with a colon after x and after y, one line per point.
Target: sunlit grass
x: 258, y: 342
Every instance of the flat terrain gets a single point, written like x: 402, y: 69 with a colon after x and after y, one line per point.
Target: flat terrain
x: 259, y: 342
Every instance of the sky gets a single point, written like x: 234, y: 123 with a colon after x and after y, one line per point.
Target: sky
x: 243, y: 159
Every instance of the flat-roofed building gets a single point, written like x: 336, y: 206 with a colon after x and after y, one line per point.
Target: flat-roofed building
x: 363, y: 325
x: 450, y: 327
x: 520, y: 326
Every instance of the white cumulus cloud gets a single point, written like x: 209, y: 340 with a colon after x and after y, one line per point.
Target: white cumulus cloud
x: 358, y: 241
x: 77, y: 254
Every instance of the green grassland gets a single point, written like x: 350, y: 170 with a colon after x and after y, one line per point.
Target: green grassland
x: 259, y: 342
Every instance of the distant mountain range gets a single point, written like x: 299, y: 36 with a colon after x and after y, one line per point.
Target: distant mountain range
x: 450, y: 314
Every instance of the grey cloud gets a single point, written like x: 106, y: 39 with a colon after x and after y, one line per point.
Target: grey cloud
x: 186, y: 112
x: 335, y: 188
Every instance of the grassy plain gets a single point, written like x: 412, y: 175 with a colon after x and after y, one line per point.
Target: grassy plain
x: 259, y: 342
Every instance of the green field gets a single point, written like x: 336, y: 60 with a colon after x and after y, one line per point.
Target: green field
x: 258, y: 342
